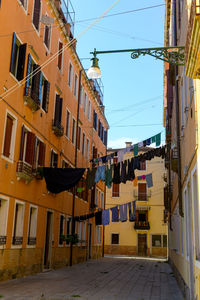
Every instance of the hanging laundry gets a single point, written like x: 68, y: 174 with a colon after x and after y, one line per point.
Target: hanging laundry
x: 123, y: 172
x: 135, y: 182
x: 59, y: 179
x: 104, y: 159
x: 149, y: 180
x: 135, y: 149
x: 132, y: 211
x: 130, y: 173
x: 148, y: 142
x: 140, y: 144
x: 121, y: 155
x: 153, y: 139
x: 123, y: 212
x: 158, y: 139
x: 105, y: 217
x: 98, y: 218
x: 108, y: 178
x: 90, y: 178
x: 80, y: 189
x: 116, y: 175
x: 100, y: 174
x: 143, y: 177
x: 144, y: 143
x: 136, y: 163
x: 115, y: 214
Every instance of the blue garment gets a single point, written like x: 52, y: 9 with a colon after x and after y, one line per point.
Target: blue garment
x: 103, y: 173
x: 105, y: 217
x: 148, y: 142
x: 115, y: 214
x: 149, y: 180
x: 123, y: 212
x: 132, y: 211
x: 100, y: 173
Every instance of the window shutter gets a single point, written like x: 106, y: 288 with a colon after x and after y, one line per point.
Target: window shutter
x: 105, y: 137
x: 13, y: 53
x: 8, y: 134
x: 30, y: 147
x: 60, y: 55
x: 36, y: 83
x: 45, y: 102
x: 46, y: 36
x: 57, y: 110
x: 36, y: 13
x: 22, y: 144
x: 60, y: 109
x: 21, y: 62
x: 40, y: 87
x: 94, y: 152
x: 142, y: 191
x: 115, y: 190
x: 41, y: 157
x: 27, y: 74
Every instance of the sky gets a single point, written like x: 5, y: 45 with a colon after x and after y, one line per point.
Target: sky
x: 133, y: 89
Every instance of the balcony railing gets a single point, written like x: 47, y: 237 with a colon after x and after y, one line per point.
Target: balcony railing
x: 17, y: 240
x: 31, y: 240
x: 31, y: 99
x: 57, y: 128
x: 24, y: 171
x: 97, y: 87
x: 142, y: 196
x: 68, y: 14
x: 195, y: 11
x: 2, y: 239
x: 142, y: 225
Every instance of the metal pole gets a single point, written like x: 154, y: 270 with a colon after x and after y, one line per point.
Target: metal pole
x: 75, y: 165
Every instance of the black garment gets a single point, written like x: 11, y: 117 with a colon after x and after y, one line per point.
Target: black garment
x: 130, y: 173
x: 123, y: 171
x: 137, y: 163
x: 98, y: 218
x: 116, y: 175
x: 90, y: 178
x: 59, y: 180
x: 104, y: 159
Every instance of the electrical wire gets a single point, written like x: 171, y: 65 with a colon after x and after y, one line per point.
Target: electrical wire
x: 55, y: 55
x: 125, y: 12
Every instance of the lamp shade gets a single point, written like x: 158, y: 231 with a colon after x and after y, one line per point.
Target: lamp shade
x: 94, y: 71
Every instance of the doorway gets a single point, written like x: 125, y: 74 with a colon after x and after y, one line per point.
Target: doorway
x: 48, y: 240
x: 142, y: 245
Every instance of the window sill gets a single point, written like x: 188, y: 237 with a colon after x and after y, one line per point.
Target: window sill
x: 10, y: 160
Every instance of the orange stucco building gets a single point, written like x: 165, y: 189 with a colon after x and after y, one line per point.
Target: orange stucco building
x: 41, y: 80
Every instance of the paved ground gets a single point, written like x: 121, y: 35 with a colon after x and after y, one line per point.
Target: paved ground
x: 105, y: 279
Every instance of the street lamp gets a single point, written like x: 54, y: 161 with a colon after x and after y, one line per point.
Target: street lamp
x: 174, y: 55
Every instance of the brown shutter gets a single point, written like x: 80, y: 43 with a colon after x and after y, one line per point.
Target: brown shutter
x: 21, y: 62
x: 22, y: 144
x: 8, y: 134
x: 115, y: 190
x: 60, y: 55
x: 36, y: 13
x: 57, y: 111
x: 30, y: 147
x: 45, y: 102
x: 41, y: 157
x: 94, y: 152
x: 36, y: 84
x: 137, y: 215
x: 142, y: 191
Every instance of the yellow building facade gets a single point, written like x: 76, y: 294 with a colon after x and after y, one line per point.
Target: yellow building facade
x: 41, y: 82
x: 181, y: 115
x: 147, y: 236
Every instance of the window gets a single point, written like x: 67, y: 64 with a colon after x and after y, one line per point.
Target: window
x: 94, y: 152
x: 67, y: 127
x: 115, y: 238
x: 23, y: 3
x: 70, y: 75
x: 61, y: 231
x: 105, y: 138
x: 143, y: 165
x: 18, y: 56
x: 115, y: 190
x: 3, y: 219
x: 83, y: 144
x: 89, y: 110
x: 85, y: 103
x: 54, y: 159
x: 81, y: 96
x: 79, y: 138
x: 47, y: 35
x: 78, y: 230
x: 142, y: 192
x: 99, y: 203
x: 9, y: 137
x: 68, y: 225
x: 36, y: 14
x: 84, y: 233
x: 87, y: 149
x: 60, y: 55
x: 18, y: 224
x: 94, y: 120
x: 165, y: 241
x: 32, y: 226
x: 159, y: 240
x: 45, y: 89
x: 65, y: 164
x: 76, y: 86
x: 58, y: 112
x: 32, y: 150
x: 73, y: 131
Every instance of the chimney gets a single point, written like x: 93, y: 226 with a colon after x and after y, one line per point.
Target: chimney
x: 128, y: 144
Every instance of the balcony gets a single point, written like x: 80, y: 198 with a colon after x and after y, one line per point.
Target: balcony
x: 142, y: 225
x: 17, y: 240
x: 31, y: 240
x: 24, y: 171
x: 2, y: 240
x: 141, y: 197
x: 31, y: 99
x: 57, y: 128
x: 98, y: 88
x: 192, y: 47
x: 67, y: 14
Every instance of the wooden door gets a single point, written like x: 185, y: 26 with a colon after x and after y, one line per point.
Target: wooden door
x: 142, y: 244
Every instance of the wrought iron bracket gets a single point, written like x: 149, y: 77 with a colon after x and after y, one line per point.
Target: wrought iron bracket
x: 173, y: 55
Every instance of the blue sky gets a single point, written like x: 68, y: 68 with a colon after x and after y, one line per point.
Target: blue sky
x: 133, y: 89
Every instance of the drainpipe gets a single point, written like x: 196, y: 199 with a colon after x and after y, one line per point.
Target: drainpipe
x: 75, y: 165
x: 177, y: 119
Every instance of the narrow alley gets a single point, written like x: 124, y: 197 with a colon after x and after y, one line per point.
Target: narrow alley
x: 108, y: 278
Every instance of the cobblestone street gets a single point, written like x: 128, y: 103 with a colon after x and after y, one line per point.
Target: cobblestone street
x: 110, y: 278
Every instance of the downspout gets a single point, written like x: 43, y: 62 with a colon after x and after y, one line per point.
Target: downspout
x: 177, y: 119
x: 75, y: 165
